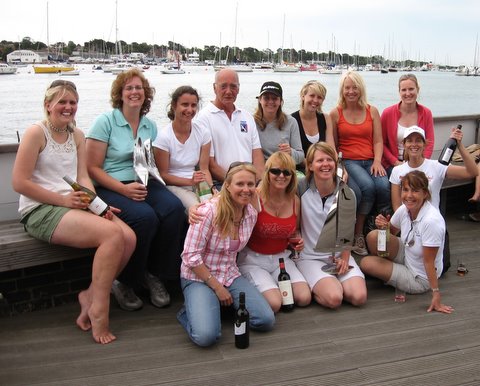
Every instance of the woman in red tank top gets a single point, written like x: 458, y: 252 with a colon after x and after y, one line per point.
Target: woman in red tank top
x: 357, y: 131
x: 278, y: 218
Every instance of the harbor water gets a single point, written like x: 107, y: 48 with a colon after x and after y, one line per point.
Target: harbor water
x: 21, y: 96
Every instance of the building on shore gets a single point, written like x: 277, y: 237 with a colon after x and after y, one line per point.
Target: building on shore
x: 23, y: 57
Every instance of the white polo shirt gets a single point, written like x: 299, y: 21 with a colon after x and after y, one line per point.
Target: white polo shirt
x: 427, y: 230
x: 232, y: 140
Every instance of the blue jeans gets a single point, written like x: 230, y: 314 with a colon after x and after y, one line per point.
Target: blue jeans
x: 160, y: 225
x: 368, y: 189
x: 200, y: 316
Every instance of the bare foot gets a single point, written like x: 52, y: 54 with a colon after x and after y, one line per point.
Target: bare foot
x: 474, y: 198
x: 100, y: 329
x: 83, y: 320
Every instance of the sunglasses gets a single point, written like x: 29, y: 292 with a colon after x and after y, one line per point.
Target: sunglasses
x: 277, y: 172
x: 411, y: 242
x: 237, y: 163
x: 60, y: 82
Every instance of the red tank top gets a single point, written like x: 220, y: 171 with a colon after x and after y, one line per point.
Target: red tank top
x: 270, y: 234
x: 355, y: 141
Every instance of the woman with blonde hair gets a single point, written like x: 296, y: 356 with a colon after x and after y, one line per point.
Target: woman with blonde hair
x: 210, y: 277
x: 51, y: 211
x: 314, y: 125
x: 278, y: 219
x: 357, y: 132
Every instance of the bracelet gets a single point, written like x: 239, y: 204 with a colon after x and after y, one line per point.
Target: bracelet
x: 436, y: 289
x: 210, y: 276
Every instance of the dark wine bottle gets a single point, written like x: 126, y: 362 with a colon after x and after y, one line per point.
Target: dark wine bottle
x: 448, y: 150
x: 242, y: 324
x: 285, y: 287
x: 340, y: 165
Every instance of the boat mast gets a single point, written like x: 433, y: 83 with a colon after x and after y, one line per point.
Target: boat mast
x: 235, y: 35
x: 48, y: 37
x: 283, y: 40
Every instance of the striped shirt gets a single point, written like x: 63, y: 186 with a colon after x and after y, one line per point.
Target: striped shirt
x: 204, y: 244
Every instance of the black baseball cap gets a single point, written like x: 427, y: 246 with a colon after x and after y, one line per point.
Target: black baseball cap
x: 271, y: 87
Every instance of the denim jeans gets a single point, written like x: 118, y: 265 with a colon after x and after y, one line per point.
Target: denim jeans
x: 160, y: 225
x: 368, y: 188
x: 200, y: 316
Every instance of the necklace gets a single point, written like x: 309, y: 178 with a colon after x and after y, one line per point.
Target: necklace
x: 56, y: 129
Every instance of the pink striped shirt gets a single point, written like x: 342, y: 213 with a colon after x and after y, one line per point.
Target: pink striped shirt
x: 204, y: 244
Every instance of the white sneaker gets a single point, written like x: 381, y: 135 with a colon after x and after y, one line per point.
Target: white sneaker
x: 359, y: 245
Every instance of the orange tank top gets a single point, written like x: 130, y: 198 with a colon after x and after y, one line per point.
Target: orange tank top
x: 355, y: 140
x: 270, y: 235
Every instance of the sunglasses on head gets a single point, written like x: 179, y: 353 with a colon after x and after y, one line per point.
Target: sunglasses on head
x: 237, y: 163
x: 60, y: 82
x: 277, y: 172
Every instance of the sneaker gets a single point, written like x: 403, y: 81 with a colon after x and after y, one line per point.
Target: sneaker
x: 359, y: 246
x: 158, y: 293
x: 125, y: 297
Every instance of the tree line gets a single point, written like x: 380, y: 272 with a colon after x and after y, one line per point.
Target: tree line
x: 100, y: 49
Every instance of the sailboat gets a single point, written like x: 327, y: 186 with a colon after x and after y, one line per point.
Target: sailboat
x: 171, y: 69
x: 282, y: 66
x: 238, y: 67
x: 51, y: 68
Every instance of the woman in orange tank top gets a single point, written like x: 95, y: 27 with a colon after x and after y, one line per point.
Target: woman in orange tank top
x: 357, y: 132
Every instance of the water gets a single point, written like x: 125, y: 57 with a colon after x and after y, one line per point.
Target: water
x: 21, y: 96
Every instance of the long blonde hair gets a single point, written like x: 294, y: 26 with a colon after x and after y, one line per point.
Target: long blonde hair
x: 57, y: 90
x: 285, y: 161
x: 226, y: 207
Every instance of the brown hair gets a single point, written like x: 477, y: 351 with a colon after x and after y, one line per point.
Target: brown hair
x: 119, y: 83
x: 327, y: 149
x: 260, y: 121
x: 417, y: 180
x: 176, y: 96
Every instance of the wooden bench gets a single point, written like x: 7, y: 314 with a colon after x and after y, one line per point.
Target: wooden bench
x: 20, y: 250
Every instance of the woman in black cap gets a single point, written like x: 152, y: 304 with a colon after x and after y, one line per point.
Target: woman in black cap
x: 277, y: 130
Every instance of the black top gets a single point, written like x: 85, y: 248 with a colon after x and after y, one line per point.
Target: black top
x: 322, y: 129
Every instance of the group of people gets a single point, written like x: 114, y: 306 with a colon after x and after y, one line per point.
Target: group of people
x: 272, y: 175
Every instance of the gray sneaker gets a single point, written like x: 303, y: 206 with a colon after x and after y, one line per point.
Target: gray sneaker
x: 126, y: 298
x: 158, y: 293
x: 359, y: 245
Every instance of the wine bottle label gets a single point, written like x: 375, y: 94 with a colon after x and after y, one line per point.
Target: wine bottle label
x: 285, y: 287
x: 382, y: 240
x: 447, y: 155
x: 97, y: 206
x: 204, y: 196
x: 340, y: 172
x: 241, y: 328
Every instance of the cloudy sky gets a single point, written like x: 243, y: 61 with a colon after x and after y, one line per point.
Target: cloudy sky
x: 443, y: 31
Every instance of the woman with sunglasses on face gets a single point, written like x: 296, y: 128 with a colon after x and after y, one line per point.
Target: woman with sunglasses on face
x: 320, y: 194
x: 210, y: 277
x: 415, y: 260
x: 51, y: 211
x: 155, y: 214
x: 277, y: 130
x: 278, y: 219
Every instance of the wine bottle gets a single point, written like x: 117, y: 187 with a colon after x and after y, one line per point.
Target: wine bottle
x: 448, y: 150
x: 285, y: 287
x: 340, y: 165
x: 382, y: 241
x: 96, y: 204
x: 204, y: 192
x: 242, y: 324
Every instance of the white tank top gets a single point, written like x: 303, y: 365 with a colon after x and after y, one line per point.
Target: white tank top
x: 54, y: 161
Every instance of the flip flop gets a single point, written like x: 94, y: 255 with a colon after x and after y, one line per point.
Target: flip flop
x: 475, y: 217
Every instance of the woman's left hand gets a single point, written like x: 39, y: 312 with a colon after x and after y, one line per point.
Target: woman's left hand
x: 111, y: 212
x: 377, y: 169
x: 457, y: 134
x: 285, y: 147
x: 436, y: 305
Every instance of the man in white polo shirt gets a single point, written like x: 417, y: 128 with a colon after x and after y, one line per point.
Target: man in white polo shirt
x: 233, y: 130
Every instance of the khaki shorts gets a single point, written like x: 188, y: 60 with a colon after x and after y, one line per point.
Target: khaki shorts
x: 42, y: 221
x: 404, y: 279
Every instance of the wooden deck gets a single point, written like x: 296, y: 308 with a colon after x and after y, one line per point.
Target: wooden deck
x: 382, y: 343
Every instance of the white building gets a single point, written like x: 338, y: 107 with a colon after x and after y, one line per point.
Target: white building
x: 23, y: 57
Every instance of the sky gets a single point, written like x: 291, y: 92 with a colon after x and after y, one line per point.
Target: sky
x: 441, y: 31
